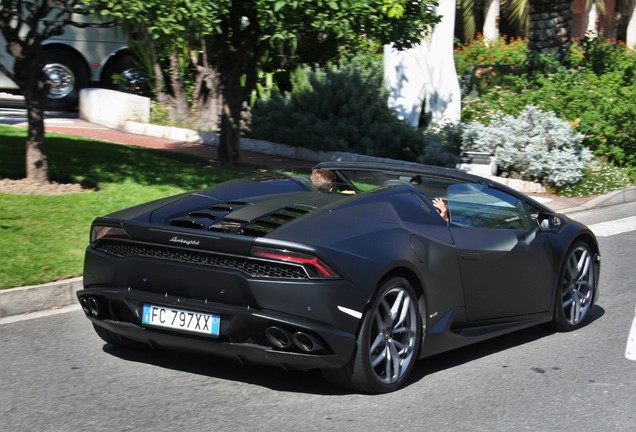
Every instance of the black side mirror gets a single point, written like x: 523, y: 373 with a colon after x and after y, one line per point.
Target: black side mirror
x: 549, y: 222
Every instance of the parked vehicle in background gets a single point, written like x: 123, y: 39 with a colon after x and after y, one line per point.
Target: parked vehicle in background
x: 79, y: 58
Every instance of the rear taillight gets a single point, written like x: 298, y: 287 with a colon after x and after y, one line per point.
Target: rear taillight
x: 314, y: 267
x: 99, y: 232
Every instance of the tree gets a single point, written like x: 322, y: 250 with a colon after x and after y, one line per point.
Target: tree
x: 256, y: 27
x: 174, y: 34
x: 240, y: 35
x: 25, y: 25
x: 550, y: 29
x: 515, y: 12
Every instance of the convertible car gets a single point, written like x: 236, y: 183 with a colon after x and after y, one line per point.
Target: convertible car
x: 358, y: 279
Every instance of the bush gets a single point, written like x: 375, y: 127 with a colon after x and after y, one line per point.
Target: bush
x: 503, y: 51
x: 601, y: 55
x: 441, y: 145
x: 336, y: 109
x: 534, y: 146
x: 599, y: 177
x: 596, y: 98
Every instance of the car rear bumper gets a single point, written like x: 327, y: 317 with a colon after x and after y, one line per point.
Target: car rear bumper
x: 242, y: 335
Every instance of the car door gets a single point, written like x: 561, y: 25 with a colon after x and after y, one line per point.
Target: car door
x: 506, y: 264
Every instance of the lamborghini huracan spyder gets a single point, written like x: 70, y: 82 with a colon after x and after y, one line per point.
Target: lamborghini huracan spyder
x: 359, y: 279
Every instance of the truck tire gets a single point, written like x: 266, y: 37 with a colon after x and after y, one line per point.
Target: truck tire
x: 67, y: 75
x: 117, y: 66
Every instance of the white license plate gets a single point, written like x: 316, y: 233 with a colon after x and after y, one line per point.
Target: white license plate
x: 180, y: 319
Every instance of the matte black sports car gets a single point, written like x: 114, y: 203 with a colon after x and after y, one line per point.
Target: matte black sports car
x: 359, y: 279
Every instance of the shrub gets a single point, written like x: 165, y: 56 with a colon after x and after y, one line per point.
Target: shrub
x: 601, y: 55
x: 599, y: 177
x: 159, y: 114
x: 596, y: 98
x: 503, y: 51
x: 441, y: 145
x: 535, y: 146
x: 482, y: 64
x: 336, y: 109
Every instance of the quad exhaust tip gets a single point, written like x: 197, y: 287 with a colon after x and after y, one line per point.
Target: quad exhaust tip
x: 306, y: 342
x: 283, y: 339
x: 278, y: 337
x: 84, y: 304
x: 91, y: 306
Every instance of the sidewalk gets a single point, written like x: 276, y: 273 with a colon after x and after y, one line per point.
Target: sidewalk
x: 54, y: 295
x: 90, y: 130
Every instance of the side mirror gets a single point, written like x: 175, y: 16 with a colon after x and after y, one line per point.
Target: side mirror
x: 550, y: 222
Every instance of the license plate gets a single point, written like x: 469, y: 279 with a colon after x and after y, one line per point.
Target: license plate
x: 179, y: 319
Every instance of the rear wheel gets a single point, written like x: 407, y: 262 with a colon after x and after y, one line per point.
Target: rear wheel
x: 388, y: 342
x: 577, y: 285
x: 66, y: 76
x: 116, y: 67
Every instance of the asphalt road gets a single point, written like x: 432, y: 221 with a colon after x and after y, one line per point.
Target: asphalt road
x: 57, y: 375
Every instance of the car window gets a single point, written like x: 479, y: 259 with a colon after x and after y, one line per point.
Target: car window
x: 480, y: 206
x: 365, y: 180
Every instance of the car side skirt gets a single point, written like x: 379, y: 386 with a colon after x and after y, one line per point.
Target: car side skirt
x: 442, y: 337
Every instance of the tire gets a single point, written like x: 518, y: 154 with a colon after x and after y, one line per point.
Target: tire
x: 117, y: 66
x: 576, y: 288
x: 67, y: 75
x: 388, y: 343
x: 119, y: 341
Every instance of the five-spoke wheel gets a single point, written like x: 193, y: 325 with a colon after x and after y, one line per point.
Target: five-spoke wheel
x: 388, y: 343
x: 575, y: 295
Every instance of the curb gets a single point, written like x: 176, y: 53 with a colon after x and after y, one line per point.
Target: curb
x: 609, y: 199
x: 53, y: 295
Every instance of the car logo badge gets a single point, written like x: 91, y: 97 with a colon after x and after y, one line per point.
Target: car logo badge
x: 186, y: 242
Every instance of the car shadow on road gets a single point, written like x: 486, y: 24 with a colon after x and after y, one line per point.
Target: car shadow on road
x: 312, y: 382
x: 460, y: 356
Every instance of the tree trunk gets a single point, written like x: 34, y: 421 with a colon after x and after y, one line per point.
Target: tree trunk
x: 32, y: 84
x: 230, y: 136
x: 550, y: 30
x: 181, y: 107
x: 37, y: 167
x: 206, y: 98
x: 157, y: 71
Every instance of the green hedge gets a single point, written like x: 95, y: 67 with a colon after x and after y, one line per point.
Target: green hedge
x: 338, y: 108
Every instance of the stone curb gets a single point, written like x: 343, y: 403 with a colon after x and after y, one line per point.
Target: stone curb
x: 609, y: 199
x: 15, y: 301
x: 247, y: 144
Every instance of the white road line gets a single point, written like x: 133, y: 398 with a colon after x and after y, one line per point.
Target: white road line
x: 606, y: 229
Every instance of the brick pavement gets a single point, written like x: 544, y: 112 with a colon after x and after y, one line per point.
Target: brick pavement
x: 90, y: 130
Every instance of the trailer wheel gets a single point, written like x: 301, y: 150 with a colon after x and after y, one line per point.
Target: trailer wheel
x: 66, y: 76
x: 117, y: 66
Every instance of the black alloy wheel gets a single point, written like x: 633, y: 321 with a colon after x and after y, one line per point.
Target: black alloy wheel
x: 388, y: 343
x: 577, y: 285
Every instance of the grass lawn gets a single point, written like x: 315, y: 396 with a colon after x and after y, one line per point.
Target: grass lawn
x: 42, y: 238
